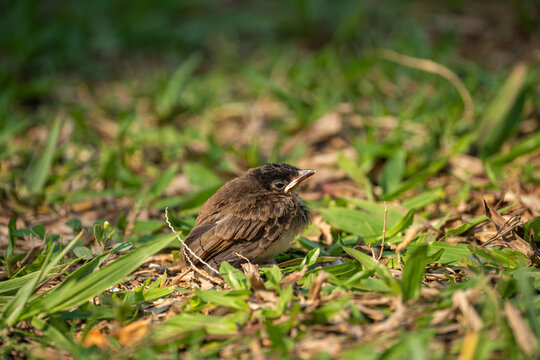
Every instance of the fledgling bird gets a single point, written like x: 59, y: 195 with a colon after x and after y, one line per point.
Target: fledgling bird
x: 252, y: 217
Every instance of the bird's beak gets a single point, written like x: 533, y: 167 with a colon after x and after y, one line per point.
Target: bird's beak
x: 302, y: 175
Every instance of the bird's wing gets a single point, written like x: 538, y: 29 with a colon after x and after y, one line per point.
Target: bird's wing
x: 245, y: 227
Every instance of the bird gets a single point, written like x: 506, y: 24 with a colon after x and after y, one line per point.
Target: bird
x: 251, y: 218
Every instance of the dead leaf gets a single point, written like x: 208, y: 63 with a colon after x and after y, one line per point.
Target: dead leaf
x: 471, y: 317
x: 325, y: 228
x: 376, y: 315
x: 292, y: 277
x: 315, y: 289
x: 323, y: 343
x: 95, y: 338
x: 410, y: 235
x: 327, y: 126
x: 441, y: 316
x: 494, y: 216
x: 508, y: 227
x: 256, y: 350
x: 131, y: 333
x: 252, y: 273
x: 523, y: 335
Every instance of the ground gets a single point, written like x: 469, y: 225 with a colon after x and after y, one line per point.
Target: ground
x: 422, y: 121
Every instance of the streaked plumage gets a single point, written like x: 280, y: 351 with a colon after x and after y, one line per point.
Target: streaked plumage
x: 255, y: 215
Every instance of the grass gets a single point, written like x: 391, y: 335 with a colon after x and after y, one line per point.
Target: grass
x: 98, y: 137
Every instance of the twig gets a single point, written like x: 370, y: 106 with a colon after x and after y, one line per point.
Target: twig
x: 184, y: 247
x: 243, y: 257
x: 398, y: 254
x: 372, y: 251
x: 383, y: 231
x: 507, y: 227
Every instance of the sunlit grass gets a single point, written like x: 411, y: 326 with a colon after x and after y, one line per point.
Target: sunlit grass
x: 401, y: 157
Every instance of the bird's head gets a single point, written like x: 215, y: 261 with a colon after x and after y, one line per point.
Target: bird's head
x: 280, y: 178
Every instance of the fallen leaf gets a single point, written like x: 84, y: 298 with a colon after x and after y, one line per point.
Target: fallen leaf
x: 95, y: 338
x: 252, y: 273
x: 471, y: 317
x: 315, y: 289
x: 523, y: 335
x: 292, y: 277
x: 131, y: 333
x: 325, y: 228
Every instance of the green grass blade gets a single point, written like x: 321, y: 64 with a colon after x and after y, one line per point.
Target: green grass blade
x: 170, y: 99
x: 423, y: 199
x: 524, y: 146
x: 200, y: 176
x: 12, y: 238
x: 401, y: 225
x: 234, y: 277
x: 222, y: 298
x: 13, y: 129
x: 392, y: 172
x: 503, y: 113
x: 472, y: 223
x: 413, y: 273
x: 78, y: 289
x: 18, y: 304
x: 353, y: 221
x: 367, y: 225
x: 54, y: 335
x: 432, y: 169
x: 162, y: 182
x: 10, y: 286
x: 527, y: 292
x: 183, y: 323
x: 381, y: 270
x: 444, y: 253
x: 38, y: 170
x: 355, y: 172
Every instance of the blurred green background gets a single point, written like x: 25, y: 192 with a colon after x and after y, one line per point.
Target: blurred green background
x: 114, y: 110
x: 101, y: 97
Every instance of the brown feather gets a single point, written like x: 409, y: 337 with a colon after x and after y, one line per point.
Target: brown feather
x: 245, y: 217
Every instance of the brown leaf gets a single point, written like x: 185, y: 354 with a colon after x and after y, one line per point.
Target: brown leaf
x: 256, y: 350
x: 312, y: 344
x: 371, y: 313
x: 95, y: 337
x: 327, y: 126
x: 131, y: 333
x: 292, y: 277
x: 494, y: 216
x: 471, y: 317
x: 325, y: 228
x: 252, y: 273
x: 410, y: 235
x: 516, y: 242
x: 315, y: 289
x: 523, y: 335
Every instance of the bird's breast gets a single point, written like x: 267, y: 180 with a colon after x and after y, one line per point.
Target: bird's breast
x: 282, y: 243
x: 279, y: 245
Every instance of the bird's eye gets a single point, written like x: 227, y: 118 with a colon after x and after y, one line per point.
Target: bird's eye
x: 279, y: 185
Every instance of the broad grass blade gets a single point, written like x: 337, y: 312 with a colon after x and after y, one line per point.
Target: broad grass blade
x: 12, y: 312
x: 413, y: 273
x: 78, y: 289
x: 503, y: 114
x: 38, y: 171
x: 381, y: 270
